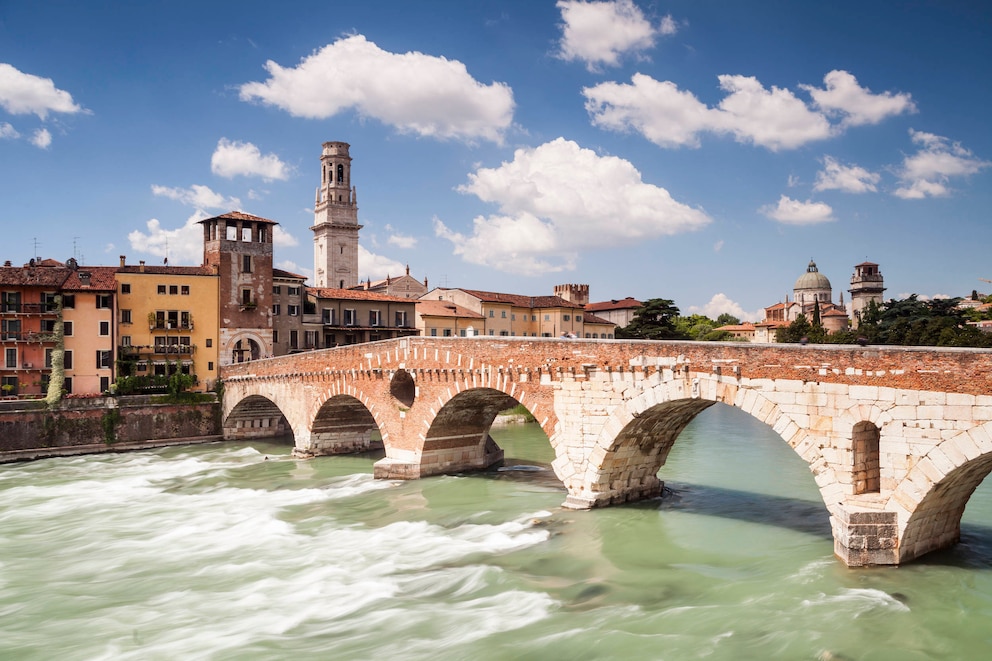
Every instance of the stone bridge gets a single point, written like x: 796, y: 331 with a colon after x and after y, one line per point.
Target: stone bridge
x: 897, y: 438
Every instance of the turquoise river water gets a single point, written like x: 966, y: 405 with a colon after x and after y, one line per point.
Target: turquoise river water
x: 237, y: 551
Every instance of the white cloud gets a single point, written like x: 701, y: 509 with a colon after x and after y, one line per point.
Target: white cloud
x: 794, y: 212
x: 283, y: 239
x: 416, y: 93
x: 669, y: 117
x: 293, y: 267
x: 857, y: 105
x: 377, y: 267
x: 722, y: 304
x: 601, y: 32
x: 847, y: 178
x: 201, y: 197
x: 928, y: 171
x: 41, y: 139
x: 558, y: 199
x: 718, y: 246
x: 772, y: 118
x: 402, y: 241
x: 792, y: 181
x: 183, y: 245
x: 109, y: 248
x: 8, y: 132
x: 232, y: 158
x: 23, y: 93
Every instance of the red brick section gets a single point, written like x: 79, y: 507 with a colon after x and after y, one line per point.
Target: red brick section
x: 967, y: 371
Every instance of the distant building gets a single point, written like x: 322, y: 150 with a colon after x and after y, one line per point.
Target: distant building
x: 404, y: 286
x: 619, y: 312
x: 289, y: 308
x: 745, y: 331
x: 812, y: 290
x: 439, y: 318
x: 90, y: 328
x: 348, y: 316
x: 866, y: 287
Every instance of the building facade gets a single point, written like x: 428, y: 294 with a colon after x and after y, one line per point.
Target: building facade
x: 618, y: 312
x: 289, y: 306
x: 349, y: 316
x: 89, y: 323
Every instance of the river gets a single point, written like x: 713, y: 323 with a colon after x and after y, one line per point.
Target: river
x: 237, y: 551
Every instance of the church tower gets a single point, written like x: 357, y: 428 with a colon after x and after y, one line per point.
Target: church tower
x: 866, y: 286
x: 335, y: 226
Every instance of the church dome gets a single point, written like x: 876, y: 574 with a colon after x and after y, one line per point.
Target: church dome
x: 812, y: 279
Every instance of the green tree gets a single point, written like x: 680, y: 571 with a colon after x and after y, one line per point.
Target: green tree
x: 727, y: 319
x: 654, y: 320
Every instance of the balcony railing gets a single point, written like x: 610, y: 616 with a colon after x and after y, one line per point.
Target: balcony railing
x: 29, y: 308
x: 165, y: 325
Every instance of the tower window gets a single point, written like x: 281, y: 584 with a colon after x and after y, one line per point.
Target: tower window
x: 340, y: 173
x: 246, y: 263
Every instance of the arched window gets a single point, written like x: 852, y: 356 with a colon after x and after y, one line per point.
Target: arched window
x: 340, y: 173
x: 866, y: 458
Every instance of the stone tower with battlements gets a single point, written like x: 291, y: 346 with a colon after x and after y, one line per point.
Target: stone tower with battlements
x: 335, y: 226
x: 866, y: 286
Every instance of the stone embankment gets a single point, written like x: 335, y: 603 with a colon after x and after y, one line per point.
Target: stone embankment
x: 29, y: 430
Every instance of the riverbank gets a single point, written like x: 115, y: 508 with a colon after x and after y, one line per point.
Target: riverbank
x: 29, y: 430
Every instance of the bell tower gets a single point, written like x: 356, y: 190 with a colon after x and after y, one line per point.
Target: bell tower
x: 866, y: 286
x: 335, y: 226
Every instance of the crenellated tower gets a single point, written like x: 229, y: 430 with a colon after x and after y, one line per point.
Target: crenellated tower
x: 866, y: 286
x: 335, y: 227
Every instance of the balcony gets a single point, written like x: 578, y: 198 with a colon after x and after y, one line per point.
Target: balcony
x: 29, y: 308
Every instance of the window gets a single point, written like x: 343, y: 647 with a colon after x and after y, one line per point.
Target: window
x: 125, y: 288
x: 246, y: 297
x: 67, y: 360
x: 433, y: 332
x: 125, y: 340
x: 10, y: 329
x: 104, y: 383
x: 462, y: 332
x: 48, y: 325
x: 294, y: 339
x: 277, y: 290
x: 492, y: 313
x: 10, y: 358
x: 547, y: 317
x: 11, y: 301
x: 275, y: 337
x: 185, y: 320
x: 374, y: 317
x: 246, y: 234
x: 173, y: 290
x: 125, y: 316
x: 69, y: 301
x: 210, y: 342
x: 246, y: 263
x: 11, y: 381
x: 578, y: 317
x: 311, y: 339
x: 104, y: 359
x: 184, y: 290
x: 67, y: 328
x: 503, y: 333
x: 328, y: 316
x: 447, y: 332
x: 401, y: 319
x: 513, y: 317
x: 533, y: 317
x: 48, y: 358
x: 565, y: 317
x: 349, y: 317
x: 293, y: 310
x: 210, y: 366
x: 230, y: 232
x: 492, y: 332
x: 293, y: 291
x: 49, y: 304
x: 161, y: 289
x: 172, y: 319
x: 67, y: 385
x: 104, y: 328
x: 276, y: 310
x: 103, y: 301
x: 503, y: 314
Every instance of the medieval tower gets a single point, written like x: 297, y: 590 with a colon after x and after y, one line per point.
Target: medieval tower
x: 866, y: 286
x: 335, y: 226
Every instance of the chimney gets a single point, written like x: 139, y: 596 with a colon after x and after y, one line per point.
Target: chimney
x: 84, y: 278
x: 123, y: 259
x: 141, y: 266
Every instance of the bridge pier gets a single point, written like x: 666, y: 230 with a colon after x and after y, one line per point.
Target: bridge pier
x: 866, y: 537
x: 452, y: 456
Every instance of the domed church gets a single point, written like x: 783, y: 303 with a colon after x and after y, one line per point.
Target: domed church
x: 812, y: 289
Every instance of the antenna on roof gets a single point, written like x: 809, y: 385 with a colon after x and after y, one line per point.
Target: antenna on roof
x: 166, y: 260
x: 35, y: 241
x: 75, y: 251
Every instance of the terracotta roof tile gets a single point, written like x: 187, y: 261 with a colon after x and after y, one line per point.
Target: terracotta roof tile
x: 431, y: 308
x: 279, y: 273
x: 522, y: 301
x: 240, y: 215
x: 589, y: 318
x: 33, y: 276
x: 101, y: 279
x: 623, y: 304
x: 355, y: 295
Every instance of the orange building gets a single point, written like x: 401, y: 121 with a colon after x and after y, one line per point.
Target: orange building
x: 89, y: 329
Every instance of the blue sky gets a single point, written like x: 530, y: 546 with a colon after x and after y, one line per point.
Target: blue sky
x: 692, y: 150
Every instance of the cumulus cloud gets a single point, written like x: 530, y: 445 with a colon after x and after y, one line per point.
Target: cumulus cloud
x: 413, y: 92
x: 8, y: 132
x: 558, y: 199
x: 377, y: 267
x: 23, y: 93
x: 794, y: 212
x: 402, y: 241
x: 600, y: 33
x: 293, y: 267
x: 41, y: 139
x: 774, y: 118
x: 843, y: 96
x: 232, y: 158
x: 722, y: 304
x: 927, y: 172
x: 201, y: 197
x: 847, y: 178
x: 283, y: 239
x: 183, y: 245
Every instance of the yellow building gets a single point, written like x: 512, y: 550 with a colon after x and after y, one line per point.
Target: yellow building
x: 445, y: 319
x: 168, y: 314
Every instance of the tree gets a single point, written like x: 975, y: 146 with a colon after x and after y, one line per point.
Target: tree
x: 727, y: 319
x: 654, y: 320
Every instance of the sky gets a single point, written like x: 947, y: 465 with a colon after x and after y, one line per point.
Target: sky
x: 693, y: 150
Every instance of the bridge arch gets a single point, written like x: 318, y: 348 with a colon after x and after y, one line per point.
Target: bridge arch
x: 255, y: 416
x: 933, y: 496
x: 342, y: 423
x: 635, y: 442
